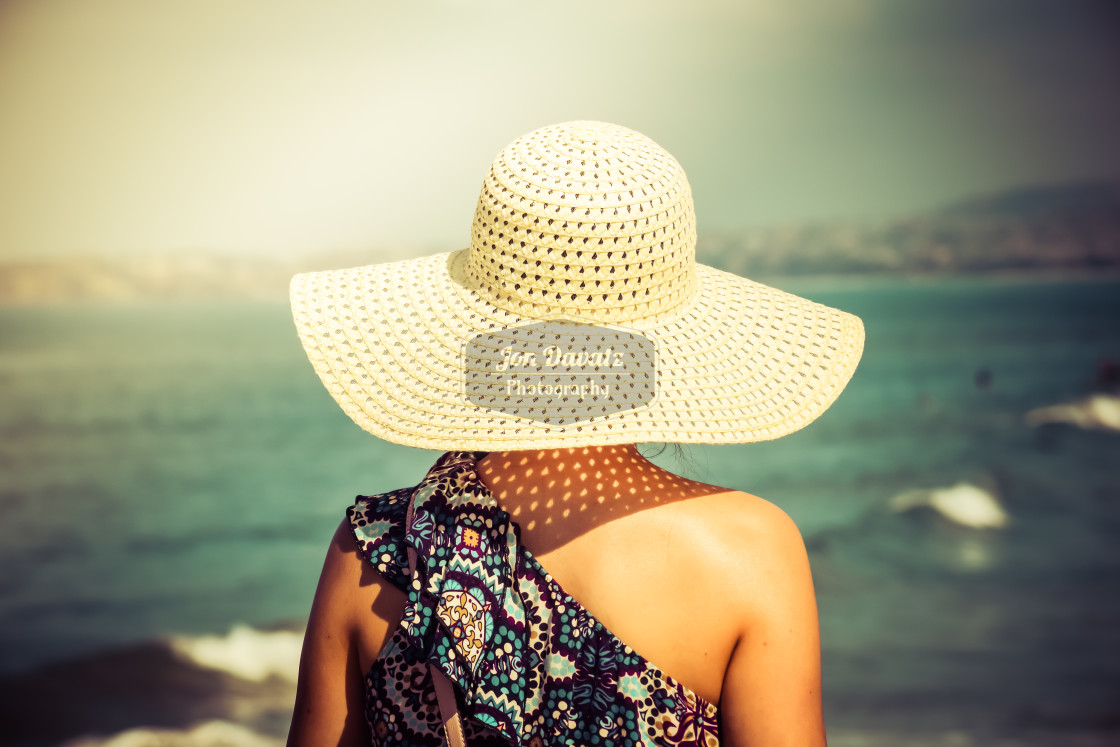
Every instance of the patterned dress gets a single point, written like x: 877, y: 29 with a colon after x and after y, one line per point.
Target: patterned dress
x: 530, y: 667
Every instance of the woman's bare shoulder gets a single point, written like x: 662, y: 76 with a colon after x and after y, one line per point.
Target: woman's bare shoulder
x: 750, y: 539
x: 744, y: 519
x: 771, y: 690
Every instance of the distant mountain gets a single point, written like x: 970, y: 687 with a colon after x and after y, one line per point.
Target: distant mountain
x: 190, y: 275
x: 137, y: 278
x: 1033, y: 202
x: 1046, y: 228
x: 1073, y: 227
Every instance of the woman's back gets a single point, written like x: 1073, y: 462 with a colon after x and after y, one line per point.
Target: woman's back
x: 710, y: 586
x: 657, y: 558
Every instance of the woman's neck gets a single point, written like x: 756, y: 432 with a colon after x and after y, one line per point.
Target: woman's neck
x: 553, y: 472
x: 569, y: 491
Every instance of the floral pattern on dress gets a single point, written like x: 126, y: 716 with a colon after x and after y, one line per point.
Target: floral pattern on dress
x: 466, y: 616
x: 529, y: 665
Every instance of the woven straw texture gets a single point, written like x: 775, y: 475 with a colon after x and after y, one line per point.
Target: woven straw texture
x: 593, y: 223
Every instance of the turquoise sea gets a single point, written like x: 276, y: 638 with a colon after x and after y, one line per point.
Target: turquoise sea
x: 174, y: 470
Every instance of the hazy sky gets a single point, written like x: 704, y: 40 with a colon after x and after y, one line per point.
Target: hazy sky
x: 278, y: 127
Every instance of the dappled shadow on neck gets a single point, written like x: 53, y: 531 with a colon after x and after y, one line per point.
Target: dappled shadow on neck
x: 556, y: 495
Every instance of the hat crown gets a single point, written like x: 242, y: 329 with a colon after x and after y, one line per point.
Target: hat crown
x: 586, y: 221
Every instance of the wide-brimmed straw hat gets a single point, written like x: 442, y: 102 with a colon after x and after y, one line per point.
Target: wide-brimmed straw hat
x: 577, y: 316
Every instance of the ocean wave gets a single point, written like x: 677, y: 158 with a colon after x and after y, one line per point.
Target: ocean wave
x: 245, y: 652
x: 147, y: 693
x: 209, y: 734
x: 1099, y: 412
x: 964, y: 504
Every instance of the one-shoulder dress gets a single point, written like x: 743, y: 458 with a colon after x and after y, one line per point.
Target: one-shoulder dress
x: 530, y: 666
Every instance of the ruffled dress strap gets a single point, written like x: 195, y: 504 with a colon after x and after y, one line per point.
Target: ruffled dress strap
x: 462, y: 608
x: 378, y: 525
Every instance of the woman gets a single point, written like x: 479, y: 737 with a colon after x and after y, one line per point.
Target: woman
x: 545, y: 583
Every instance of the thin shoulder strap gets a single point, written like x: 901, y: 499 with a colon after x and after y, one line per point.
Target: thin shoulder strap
x: 445, y: 691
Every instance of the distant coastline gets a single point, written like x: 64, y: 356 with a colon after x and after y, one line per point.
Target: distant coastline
x: 1066, y: 232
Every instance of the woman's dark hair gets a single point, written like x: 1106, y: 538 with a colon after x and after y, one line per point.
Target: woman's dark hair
x: 683, y: 458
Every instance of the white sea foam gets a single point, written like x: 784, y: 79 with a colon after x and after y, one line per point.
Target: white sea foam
x: 1098, y: 411
x: 246, y: 652
x: 209, y: 734
x: 963, y: 503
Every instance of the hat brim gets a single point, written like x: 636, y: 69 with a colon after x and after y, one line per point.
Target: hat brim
x: 740, y: 362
